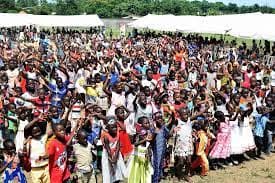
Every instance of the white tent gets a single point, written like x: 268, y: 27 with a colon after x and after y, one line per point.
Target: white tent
x: 10, y: 20
x: 249, y: 25
x: 67, y: 21
x: 156, y: 22
x: 256, y: 26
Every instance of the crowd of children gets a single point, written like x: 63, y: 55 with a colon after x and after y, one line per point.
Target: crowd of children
x: 76, y: 106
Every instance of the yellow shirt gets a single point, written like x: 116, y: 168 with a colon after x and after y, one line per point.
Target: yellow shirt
x: 92, y: 91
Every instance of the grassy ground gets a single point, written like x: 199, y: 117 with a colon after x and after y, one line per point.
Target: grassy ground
x: 254, y: 171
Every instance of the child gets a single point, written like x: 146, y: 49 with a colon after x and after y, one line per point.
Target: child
x: 222, y: 147
x: 183, y: 145
x: 261, y: 119
x: 22, y: 122
x: 117, y: 96
x: 113, y: 168
x: 236, y: 147
x: 247, y: 138
x: 201, y: 145
x: 11, y: 125
x: 57, y: 152
x: 141, y: 169
x: 126, y: 147
x: 159, y: 146
x: 83, y: 153
x: 35, y: 151
x: 12, y: 172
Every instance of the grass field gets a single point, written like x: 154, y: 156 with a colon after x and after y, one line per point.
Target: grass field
x: 254, y: 171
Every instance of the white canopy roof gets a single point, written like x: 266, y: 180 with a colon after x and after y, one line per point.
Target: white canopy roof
x: 9, y: 20
x: 249, y: 25
x: 156, y: 22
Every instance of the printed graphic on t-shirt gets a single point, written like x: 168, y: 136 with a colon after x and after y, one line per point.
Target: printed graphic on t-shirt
x: 61, y: 161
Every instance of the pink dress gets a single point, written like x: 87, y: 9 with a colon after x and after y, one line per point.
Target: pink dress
x: 222, y: 147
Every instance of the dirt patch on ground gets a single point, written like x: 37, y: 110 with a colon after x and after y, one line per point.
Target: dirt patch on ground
x: 254, y: 171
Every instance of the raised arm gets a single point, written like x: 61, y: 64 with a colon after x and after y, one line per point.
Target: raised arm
x: 106, y: 86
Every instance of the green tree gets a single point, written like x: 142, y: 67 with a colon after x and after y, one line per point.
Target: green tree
x: 6, y: 5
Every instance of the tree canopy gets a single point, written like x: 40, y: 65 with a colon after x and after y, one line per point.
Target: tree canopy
x: 121, y: 8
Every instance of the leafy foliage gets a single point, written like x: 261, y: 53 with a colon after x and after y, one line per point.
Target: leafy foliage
x: 121, y: 8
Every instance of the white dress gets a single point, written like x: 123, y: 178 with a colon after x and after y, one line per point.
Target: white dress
x: 19, y: 138
x: 236, y: 146
x: 120, y: 168
x: 184, y: 142
x: 247, y: 138
x: 116, y: 101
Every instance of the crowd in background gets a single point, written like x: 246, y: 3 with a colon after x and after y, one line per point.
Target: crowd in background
x: 76, y: 105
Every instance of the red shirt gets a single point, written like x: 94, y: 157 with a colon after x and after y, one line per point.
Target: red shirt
x: 156, y: 76
x: 58, y: 168
x: 125, y: 143
x: 42, y: 106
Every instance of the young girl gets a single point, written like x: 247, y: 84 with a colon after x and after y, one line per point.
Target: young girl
x: 126, y: 147
x: 201, y: 146
x: 140, y: 168
x: 159, y: 146
x: 113, y: 167
x: 247, y: 139
x: 222, y: 147
x: 183, y: 145
x: 236, y: 147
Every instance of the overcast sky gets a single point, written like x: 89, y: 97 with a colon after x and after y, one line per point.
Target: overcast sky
x: 248, y: 2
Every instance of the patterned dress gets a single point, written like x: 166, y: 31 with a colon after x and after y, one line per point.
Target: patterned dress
x: 184, y: 142
x: 159, y: 149
x: 222, y: 147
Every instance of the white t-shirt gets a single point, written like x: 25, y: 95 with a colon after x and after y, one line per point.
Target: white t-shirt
x: 12, y: 75
x: 151, y: 84
x: 272, y: 74
x: 38, y: 148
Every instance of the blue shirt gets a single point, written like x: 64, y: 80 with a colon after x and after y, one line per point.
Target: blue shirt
x: 58, y: 93
x: 114, y: 78
x: 261, y: 121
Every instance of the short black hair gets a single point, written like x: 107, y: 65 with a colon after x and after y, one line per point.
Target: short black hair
x: 55, y: 125
x: 9, y: 145
x: 140, y: 119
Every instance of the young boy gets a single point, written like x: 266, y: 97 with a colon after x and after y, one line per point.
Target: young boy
x: 83, y: 153
x: 11, y: 169
x: 57, y: 152
x: 260, y: 122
